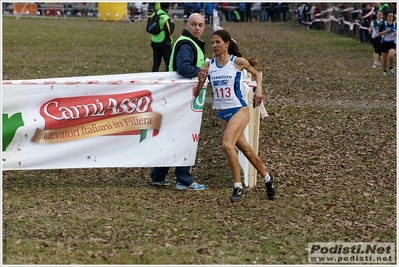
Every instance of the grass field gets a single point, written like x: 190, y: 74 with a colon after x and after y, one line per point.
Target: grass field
x: 330, y: 141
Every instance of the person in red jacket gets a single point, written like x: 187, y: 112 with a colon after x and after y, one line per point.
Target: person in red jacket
x: 365, y: 21
x: 316, y: 12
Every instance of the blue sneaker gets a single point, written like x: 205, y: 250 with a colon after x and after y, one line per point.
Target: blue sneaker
x: 384, y: 74
x: 392, y: 72
x: 193, y: 186
x: 165, y: 182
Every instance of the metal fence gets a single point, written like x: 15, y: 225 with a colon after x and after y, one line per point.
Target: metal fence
x: 79, y: 9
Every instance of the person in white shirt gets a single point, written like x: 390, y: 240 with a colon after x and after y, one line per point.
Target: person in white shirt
x: 375, y: 39
x: 225, y: 74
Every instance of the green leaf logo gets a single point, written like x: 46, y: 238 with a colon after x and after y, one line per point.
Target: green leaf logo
x: 198, y: 102
x: 10, y: 127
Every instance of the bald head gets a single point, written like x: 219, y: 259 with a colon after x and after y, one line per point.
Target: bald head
x: 195, y: 24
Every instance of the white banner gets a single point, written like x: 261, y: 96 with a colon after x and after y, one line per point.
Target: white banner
x: 127, y: 120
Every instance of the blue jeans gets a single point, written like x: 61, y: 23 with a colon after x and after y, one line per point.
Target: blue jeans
x: 182, y: 174
x: 362, y: 35
x: 264, y: 15
x: 256, y: 14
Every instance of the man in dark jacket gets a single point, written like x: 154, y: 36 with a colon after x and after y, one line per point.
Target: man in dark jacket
x: 366, y: 18
x: 384, y: 7
x: 187, y: 58
x: 188, y: 52
x: 161, y: 43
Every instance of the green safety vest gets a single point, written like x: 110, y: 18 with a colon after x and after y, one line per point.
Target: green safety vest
x: 381, y: 7
x: 237, y: 14
x: 158, y: 38
x: 199, y: 56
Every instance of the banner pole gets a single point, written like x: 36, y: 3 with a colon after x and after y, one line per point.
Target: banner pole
x: 253, y: 133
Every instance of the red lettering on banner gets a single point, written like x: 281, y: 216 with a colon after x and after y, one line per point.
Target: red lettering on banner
x: 195, y: 137
x: 115, y: 82
x: 72, y: 111
x: 72, y: 83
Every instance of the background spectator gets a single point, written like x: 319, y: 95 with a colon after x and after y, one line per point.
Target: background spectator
x: 208, y: 8
x: 384, y: 7
x: 271, y: 12
x: 298, y: 14
x: 248, y: 12
x: 197, y: 7
x: 311, y: 11
x: 161, y: 43
x: 235, y: 15
x: 226, y: 10
x: 365, y: 21
x: 316, y: 12
x: 264, y: 15
x: 241, y: 9
x: 188, y: 9
x: 277, y: 11
x: 285, y: 8
x: 256, y: 10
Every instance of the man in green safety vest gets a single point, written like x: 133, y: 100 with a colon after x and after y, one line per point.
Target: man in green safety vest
x: 188, y: 51
x: 161, y: 43
x: 384, y: 8
x: 187, y: 58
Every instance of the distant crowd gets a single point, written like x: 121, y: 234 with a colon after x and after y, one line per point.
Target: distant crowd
x: 356, y: 16
x: 240, y: 12
x: 227, y: 11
